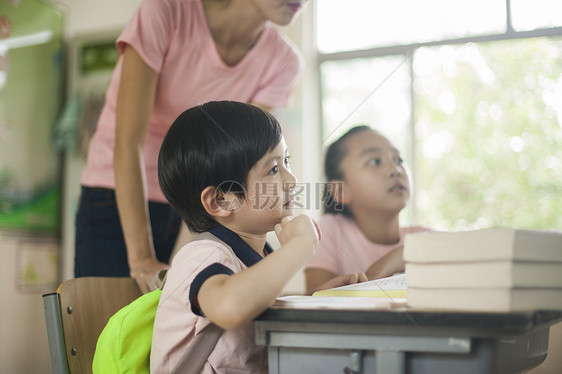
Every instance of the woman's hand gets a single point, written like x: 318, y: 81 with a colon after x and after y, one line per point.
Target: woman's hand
x: 144, y: 271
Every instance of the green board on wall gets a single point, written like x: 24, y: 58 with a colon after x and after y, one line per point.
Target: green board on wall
x: 31, y: 81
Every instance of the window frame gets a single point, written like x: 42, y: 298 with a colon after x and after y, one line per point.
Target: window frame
x: 407, y: 51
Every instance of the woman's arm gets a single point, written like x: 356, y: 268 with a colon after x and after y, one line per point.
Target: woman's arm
x: 135, y: 100
x: 263, y: 107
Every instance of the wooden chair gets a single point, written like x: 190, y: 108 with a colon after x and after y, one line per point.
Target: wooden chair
x: 77, y: 313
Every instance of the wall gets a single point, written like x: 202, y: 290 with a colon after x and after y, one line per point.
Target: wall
x: 23, y: 338
x: 85, y: 16
x: 23, y: 343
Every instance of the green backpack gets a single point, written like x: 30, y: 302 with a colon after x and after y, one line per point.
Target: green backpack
x: 125, y: 342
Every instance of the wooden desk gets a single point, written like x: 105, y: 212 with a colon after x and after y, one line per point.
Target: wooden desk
x: 411, y: 341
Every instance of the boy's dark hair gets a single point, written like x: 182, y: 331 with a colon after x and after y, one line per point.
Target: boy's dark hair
x: 213, y: 144
x: 335, y: 154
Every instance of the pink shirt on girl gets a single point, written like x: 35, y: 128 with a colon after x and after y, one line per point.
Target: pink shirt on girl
x: 344, y: 249
x: 174, y: 39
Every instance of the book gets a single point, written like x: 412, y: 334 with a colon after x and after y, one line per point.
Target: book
x: 486, y: 299
x: 484, y: 245
x: 393, y: 287
x: 485, y: 274
x: 338, y: 303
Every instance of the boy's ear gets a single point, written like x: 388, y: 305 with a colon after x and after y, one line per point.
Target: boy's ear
x: 337, y: 191
x: 217, y: 203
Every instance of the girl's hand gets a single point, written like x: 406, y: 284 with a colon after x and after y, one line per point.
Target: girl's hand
x: 392, y: 262
x: 342, y: 280
x: 301, y: 227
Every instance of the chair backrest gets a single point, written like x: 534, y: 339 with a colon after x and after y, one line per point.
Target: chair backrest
x: 84, y: 306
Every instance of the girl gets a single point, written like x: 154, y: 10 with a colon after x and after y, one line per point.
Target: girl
x: 173, y: 55
x: 368, y: 187
x: 224, y: 166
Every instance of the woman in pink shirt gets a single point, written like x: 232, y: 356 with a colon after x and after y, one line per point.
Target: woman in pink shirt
x: 174, y: 54
x: 368, y: 187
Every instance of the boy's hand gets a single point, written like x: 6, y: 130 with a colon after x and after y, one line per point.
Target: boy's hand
x: 301, y: 227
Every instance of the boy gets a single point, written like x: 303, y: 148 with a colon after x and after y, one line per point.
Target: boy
x: 224, y: 166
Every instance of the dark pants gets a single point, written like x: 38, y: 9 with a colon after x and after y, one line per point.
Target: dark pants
x: 100, y: 244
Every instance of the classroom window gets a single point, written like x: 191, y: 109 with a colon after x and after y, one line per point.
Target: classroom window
x: 364, y: 24
x: 526, y: 15
x: 355, y: 91
x: 474, y: 103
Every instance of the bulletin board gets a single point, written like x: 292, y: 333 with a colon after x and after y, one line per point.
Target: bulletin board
x: 92, y: 58
x: 31, y: 93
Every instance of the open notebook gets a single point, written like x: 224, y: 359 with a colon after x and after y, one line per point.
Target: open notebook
x: 390, y: 287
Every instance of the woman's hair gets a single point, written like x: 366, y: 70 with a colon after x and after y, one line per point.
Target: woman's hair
x: 335, y: 154
x: 213, y: 144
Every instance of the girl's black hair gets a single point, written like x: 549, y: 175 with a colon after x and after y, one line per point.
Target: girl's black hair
x: 213, y: 144
x: 335, y: 154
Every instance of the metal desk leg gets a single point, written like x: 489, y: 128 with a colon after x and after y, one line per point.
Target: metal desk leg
x: 273, y: 358
x: 391, y: 362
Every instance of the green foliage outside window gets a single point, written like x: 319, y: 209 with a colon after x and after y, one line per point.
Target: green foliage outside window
x: 489, y: 134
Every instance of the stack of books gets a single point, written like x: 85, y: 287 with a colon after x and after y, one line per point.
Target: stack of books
x: 492, y: 270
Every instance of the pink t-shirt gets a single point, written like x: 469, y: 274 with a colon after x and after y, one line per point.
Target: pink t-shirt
x: 174, y: 39
x: 344, y: 249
